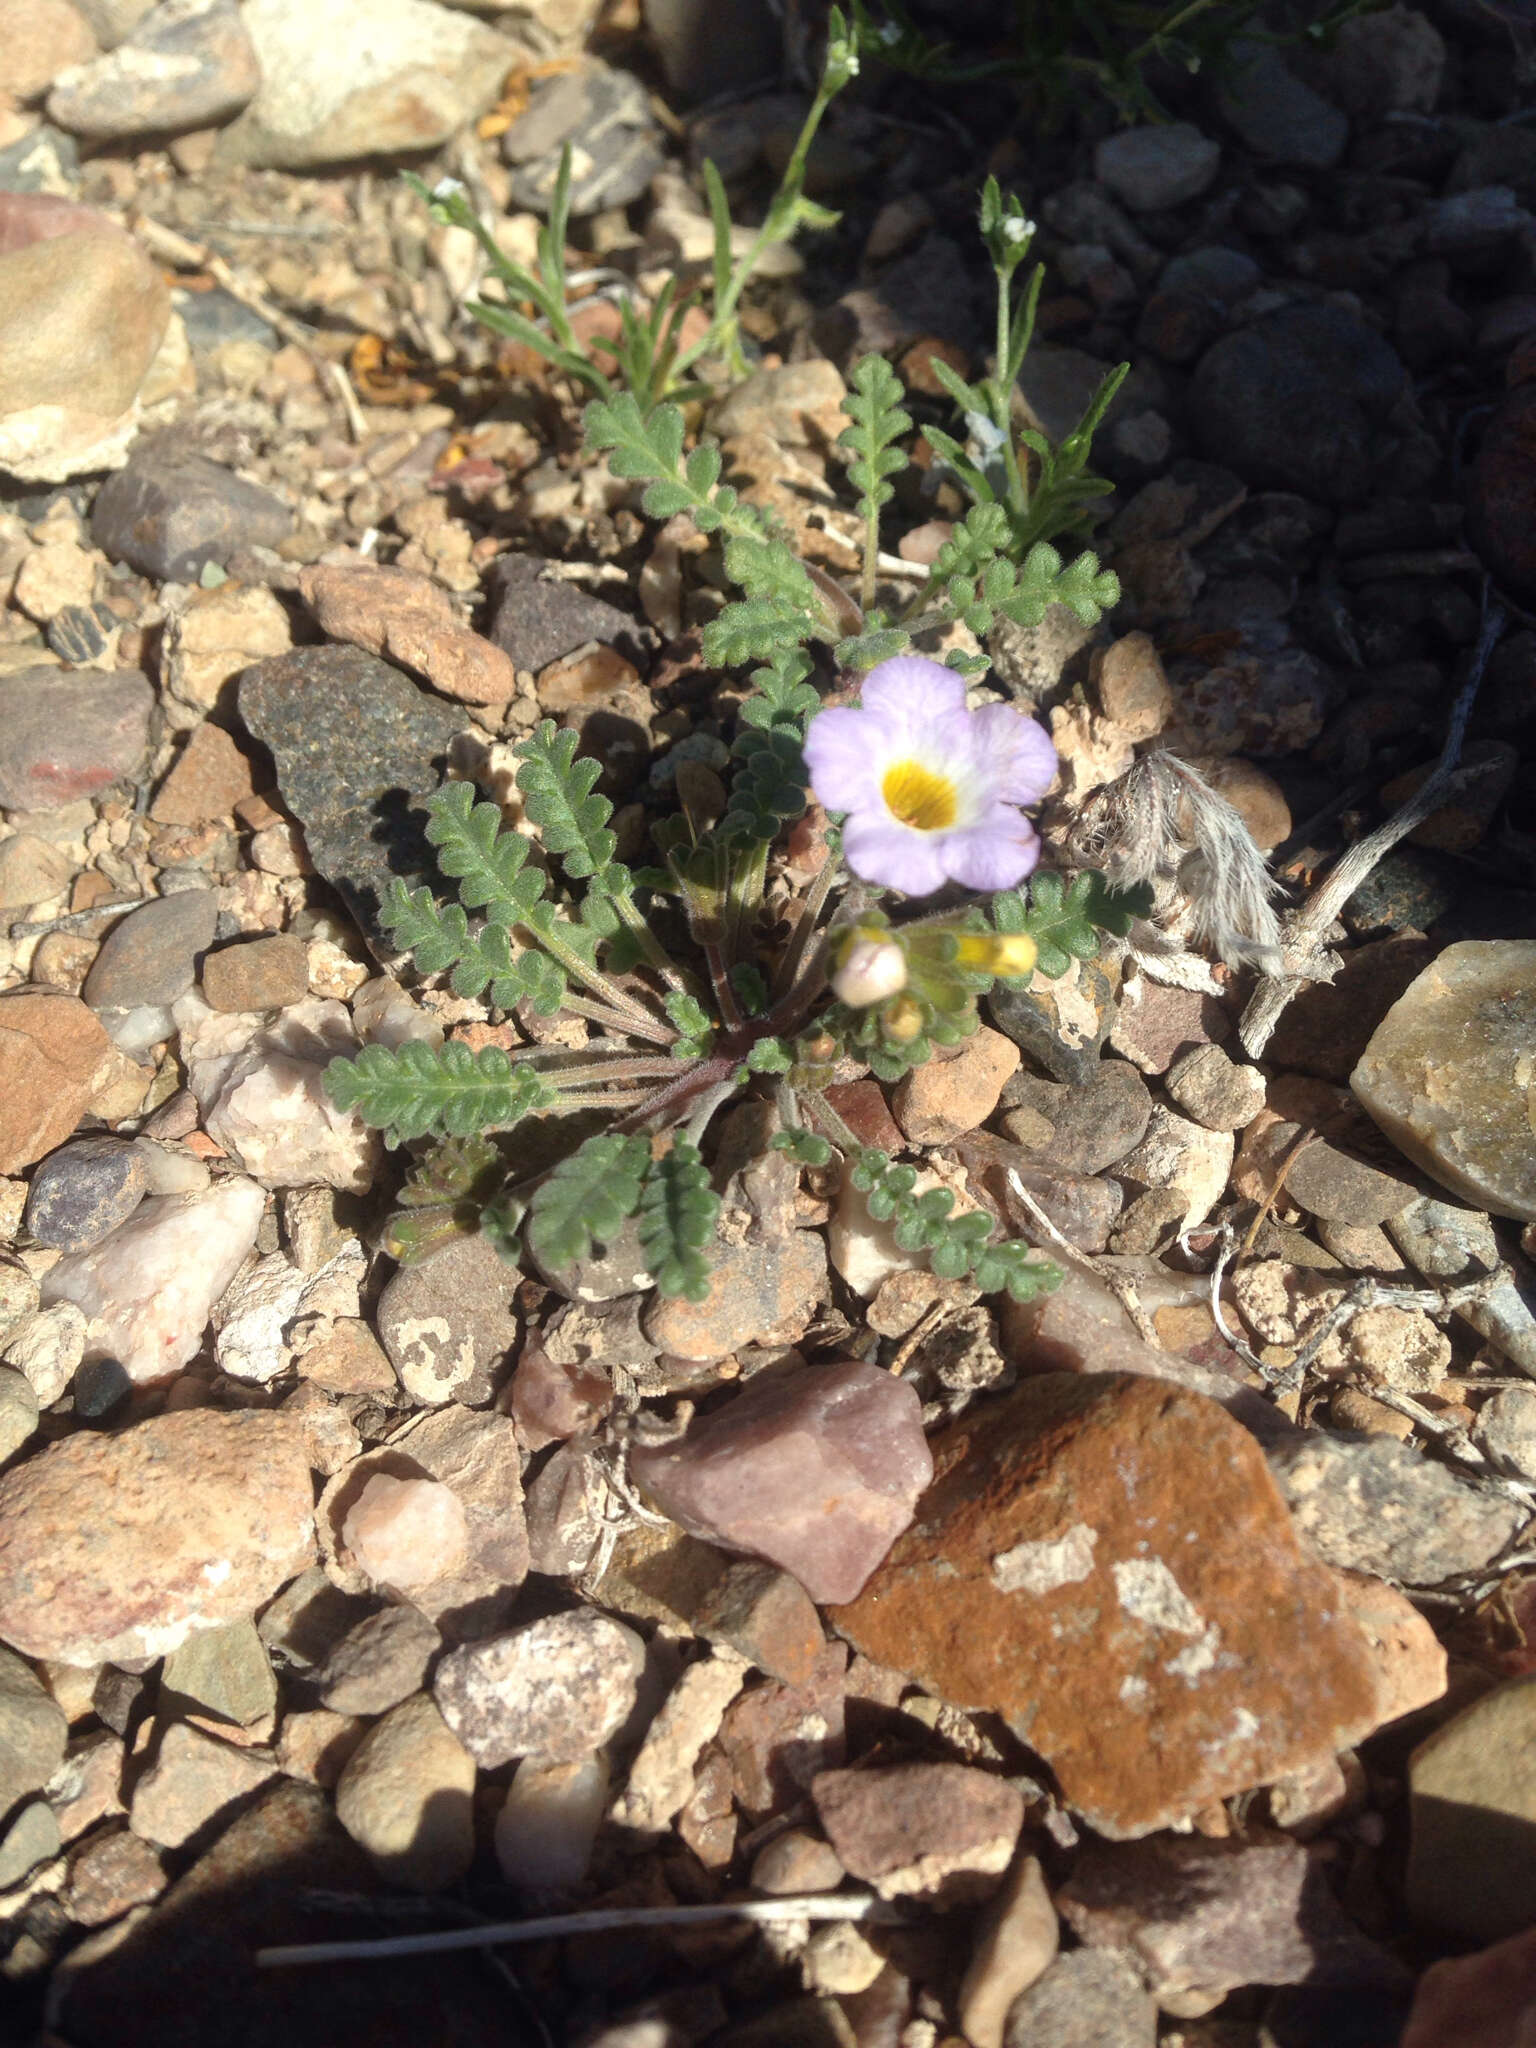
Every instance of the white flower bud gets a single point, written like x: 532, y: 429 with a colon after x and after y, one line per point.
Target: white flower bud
x: 872, y: 971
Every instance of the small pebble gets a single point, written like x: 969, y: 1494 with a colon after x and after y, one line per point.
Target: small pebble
x: 258, y: 974
x: 84, y: 1190
x: 546, y: 1829
x: 557, y: 1688
x: 406, y: 1532
x: 406, y: 1797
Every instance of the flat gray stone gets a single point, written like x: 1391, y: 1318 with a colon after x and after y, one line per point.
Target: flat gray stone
x: 84, y: 1190
x: 357, y: 749
x: 63, y: 737
x: 171, y: 512
x: 150, y: 958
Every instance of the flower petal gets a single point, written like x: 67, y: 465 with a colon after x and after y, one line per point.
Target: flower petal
x: 909, y: 695
x: 1015, y: 753
x: 997, y: 852
x: 845, y: 759
x: 879, y: 850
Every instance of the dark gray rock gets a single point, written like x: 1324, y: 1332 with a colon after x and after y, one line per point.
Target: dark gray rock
x: 608, y: 114
x: 1090, y: 1998
x: 379, y: 1662
x: 1153, y: 167
x: 930, y: 292
x: 1276, y: 113
x: 84, y: 1190
x: 212, y: 318
x: 47, y: 160
x: 101, y: 1388
x: 151, y: 957
x: 65, y: 737
x: 710, y: 49
x: 538, y: 622
x: 171, y: 512
x: 1289, y: 402
x: 80, y: 633
x: 357, y: 748
x: 1063, y: 1050
x: 187, y: 64
x: 1091, y: 1126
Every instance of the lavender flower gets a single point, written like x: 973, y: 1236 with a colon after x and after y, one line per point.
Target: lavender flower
x: 931, y: 791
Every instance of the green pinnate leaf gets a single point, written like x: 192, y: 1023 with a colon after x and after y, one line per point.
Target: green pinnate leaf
x: 678, y: 1212
x: 1065, y: 922
x: 873, y: 405
x: 448, y: 1091
x: 557, y: 790
x: 587, y: 1197
x: 475, y: 848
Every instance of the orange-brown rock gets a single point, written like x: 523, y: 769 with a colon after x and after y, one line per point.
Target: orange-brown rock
x: 54, y: 1059
x: 413, y: 621
x: 1105, y: 1561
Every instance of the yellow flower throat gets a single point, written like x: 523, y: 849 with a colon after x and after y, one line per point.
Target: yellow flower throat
x: 917, y: 797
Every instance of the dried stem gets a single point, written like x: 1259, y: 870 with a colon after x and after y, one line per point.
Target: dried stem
x: 1119, y: 1284
x: 599, y: 1920
x: 1304, y: 938
x: 196, y: 256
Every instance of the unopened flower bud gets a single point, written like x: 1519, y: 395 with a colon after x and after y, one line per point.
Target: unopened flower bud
x: 1011, y: 954
x: 872, y: 969
x: 903, y: 1021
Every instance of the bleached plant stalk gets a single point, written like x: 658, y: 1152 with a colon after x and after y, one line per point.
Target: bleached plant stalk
x: 1163, y: 821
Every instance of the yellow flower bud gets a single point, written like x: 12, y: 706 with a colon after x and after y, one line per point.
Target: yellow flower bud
x: 1007, y: 953
x: 902, y: 1021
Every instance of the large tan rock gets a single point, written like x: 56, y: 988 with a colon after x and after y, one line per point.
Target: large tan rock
x: 1450, y: 1073
x: 413, y: 73
x: 1106, y: 1562
x: 116, y: 1547
x: 83, y: 312
x: 40, y: 38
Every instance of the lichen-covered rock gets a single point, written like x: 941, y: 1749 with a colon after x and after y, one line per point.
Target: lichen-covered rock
x: 815, y: 1470
x: 558, y: 1688
x: 1450, y: 1073
x: 1160, y: 1644
x: 117, y: 1547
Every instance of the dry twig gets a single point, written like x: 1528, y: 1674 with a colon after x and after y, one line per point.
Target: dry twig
x: 556, y: 1926
x: 1120, y: 1285
x: 177, y: 249
x: 1303, y: 960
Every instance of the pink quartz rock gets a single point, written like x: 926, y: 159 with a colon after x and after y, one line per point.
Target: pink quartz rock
x: 407, y: 1532
x: 817, y: 1470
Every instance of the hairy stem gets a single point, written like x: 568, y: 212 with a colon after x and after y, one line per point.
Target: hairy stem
x: 805, y: 925
x: 633, y: 1022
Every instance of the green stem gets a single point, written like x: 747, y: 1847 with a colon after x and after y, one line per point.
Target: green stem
x: 635, y: 1017
x: 805, y: 925
x: 720, y: 982
x: 599, y: 1073
x: 744, y: 894
x: 777, y: 227
x: 633, y: 1025
x: 633, y: 918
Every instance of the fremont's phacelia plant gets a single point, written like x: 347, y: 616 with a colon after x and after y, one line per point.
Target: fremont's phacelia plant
x: 691, y: 992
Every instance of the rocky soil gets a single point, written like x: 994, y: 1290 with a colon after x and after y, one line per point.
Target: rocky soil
x: 1156, y: 1663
